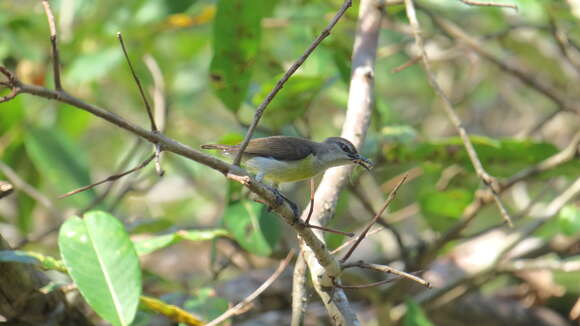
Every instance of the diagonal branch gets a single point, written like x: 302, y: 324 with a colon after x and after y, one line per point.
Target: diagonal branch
x: 488, y: 180
x: 260, y: 110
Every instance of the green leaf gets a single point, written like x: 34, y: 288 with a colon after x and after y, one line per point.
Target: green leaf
x: 103, y: 263
x: 32, y: 258
x: 253, y: 227
x: 236, y: 42
x: 442, y: 208
x: 147, y: 246
x: 206, y: 304
x: 415, y: 315
x: 569, y: 220
x: 292, y: 101
x: 61, y: 161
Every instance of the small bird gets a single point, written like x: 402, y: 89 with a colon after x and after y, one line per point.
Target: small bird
x: 280, y: 159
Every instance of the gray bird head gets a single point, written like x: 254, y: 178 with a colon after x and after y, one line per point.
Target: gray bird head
x: 341, y: 152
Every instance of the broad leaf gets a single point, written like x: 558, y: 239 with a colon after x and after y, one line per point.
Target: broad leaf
x: 253, y: 227
x: 236, y: 41
x: 103, y: 263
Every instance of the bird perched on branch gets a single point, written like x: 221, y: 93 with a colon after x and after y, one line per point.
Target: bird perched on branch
x: 280, y: 159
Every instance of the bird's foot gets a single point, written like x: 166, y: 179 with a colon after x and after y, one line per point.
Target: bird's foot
x: 280, y: 199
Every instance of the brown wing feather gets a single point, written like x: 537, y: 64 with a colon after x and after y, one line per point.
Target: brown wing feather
x: 280, y: 147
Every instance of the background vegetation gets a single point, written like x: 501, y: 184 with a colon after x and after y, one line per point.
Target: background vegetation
x: 512, y: 77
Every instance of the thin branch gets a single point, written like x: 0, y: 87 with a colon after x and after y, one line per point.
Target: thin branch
x: 53, y: 43
x: 387, y: 269
x: 381, y: 221
x: 364, y: 232
x: 109, y: 179
x: 489, y: 4
x: 138, y: 82
x: 351, y: 241
x: 11, y: 82
x: 260, y: 110
x: 25, y: 187
x: 364, y: 286
x: 242, y: 304
x: 299, y: 295
x: 311, y: 207
x: 488, y: 180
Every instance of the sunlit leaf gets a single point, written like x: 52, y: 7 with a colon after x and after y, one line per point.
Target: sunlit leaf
x: 415, y: 315
x: 253, y: 227
x: 103, y: 263
x: 147, y: 246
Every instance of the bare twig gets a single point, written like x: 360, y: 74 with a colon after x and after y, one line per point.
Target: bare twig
x: 351, y: 241
x: 11, y: 82
x: 20, y: 184
x: 138, y: 82
x: 53, y: 43
x: 364, y: 286
x: 387, y: 269
x: 242, y: 304
x: 488, y: 180
x: 381, y: 221
x: 109, y: 179
x: 260, y: 110
x: 299, y: 295
x: 364, y: 232
x: 311, y: 207
x: 406, y: 65
x: 489, y: 4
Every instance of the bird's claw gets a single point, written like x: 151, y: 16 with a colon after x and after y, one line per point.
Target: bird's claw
x: 280, y: 199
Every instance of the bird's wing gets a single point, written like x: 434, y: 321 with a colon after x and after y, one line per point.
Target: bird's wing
x: 280, y: 148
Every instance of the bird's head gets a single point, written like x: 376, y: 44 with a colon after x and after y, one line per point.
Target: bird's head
x: 340, y: 151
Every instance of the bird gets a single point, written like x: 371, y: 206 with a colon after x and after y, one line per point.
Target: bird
x: 282, y: 159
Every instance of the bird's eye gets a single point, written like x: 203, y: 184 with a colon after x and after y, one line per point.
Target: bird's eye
x: 344, y: 147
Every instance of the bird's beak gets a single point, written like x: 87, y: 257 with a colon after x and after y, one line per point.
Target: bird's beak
x: 362, y: 161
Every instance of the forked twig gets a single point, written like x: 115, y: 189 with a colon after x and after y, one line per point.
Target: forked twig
x: 363, y: 234
x: 109, y: 179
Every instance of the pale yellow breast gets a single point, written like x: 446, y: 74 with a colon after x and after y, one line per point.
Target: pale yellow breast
x: 280, y: 172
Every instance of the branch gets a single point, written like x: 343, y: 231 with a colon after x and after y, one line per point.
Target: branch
x: 53, y: 44
x: 360, y: 103
x: 489, y: 4
x: 260, y: 110
x: 387, y: 269
x: 488, y: 180
x: 299, y: 294
x: 364, y: 232
x: 242, y: 304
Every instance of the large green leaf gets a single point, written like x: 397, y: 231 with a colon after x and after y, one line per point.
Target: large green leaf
x: 147, y: 246
x: 103, y: 263
x: 236, y: 42
x: 292, y: 101
x: 253, y: 227
x: 60, y: 161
